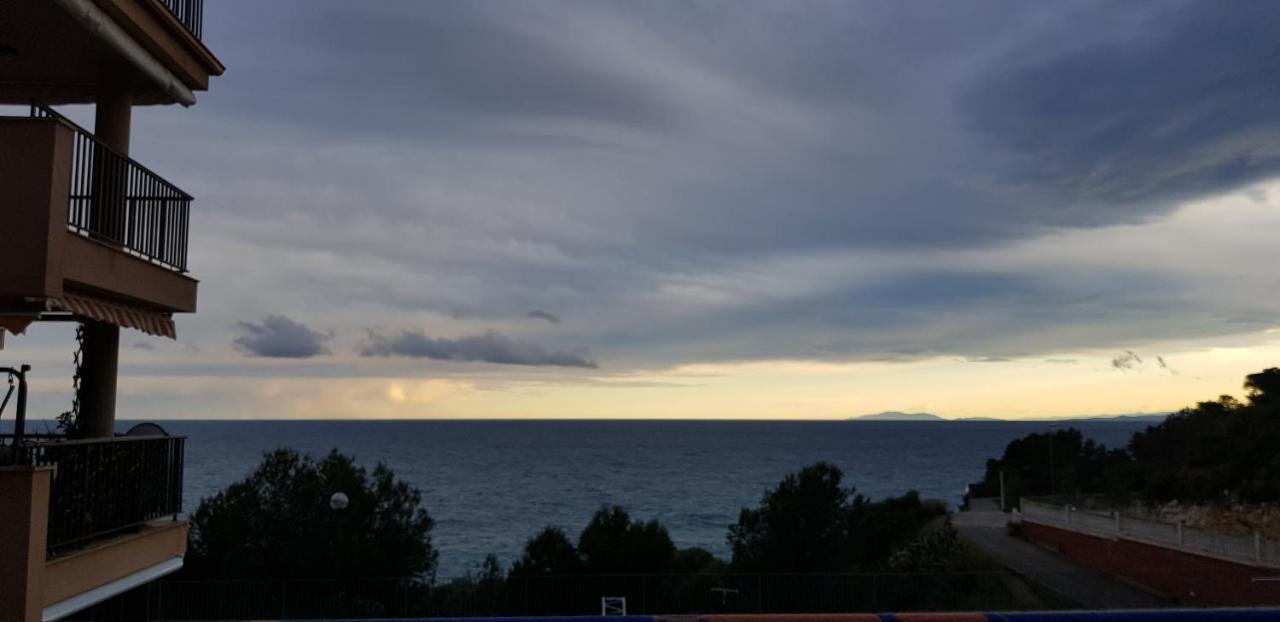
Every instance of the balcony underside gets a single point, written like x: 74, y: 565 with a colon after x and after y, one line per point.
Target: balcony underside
x: 112, y: 566
x: 49, y: 52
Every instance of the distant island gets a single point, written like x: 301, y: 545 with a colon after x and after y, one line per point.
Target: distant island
x: 898, y: 416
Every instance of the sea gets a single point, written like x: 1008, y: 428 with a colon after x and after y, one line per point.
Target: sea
x: 491, y: 485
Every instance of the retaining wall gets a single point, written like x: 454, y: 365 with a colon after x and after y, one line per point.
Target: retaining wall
x: 1190, y: 580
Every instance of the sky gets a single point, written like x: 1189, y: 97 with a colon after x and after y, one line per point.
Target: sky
x: 788, y: 210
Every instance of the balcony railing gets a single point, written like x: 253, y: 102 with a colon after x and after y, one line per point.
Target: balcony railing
x: 189, y: 12
x: 105, y: 486
x: 122, y: 203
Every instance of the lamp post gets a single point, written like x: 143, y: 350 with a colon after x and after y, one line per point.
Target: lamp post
x: 1052, y: 484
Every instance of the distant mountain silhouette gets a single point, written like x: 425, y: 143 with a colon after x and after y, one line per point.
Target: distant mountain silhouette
x: 1128, y: 417
x: 897, y: 416
x: 894, y: 415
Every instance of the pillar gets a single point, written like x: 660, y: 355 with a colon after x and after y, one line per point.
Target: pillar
x: 99, y: 360
x: 101, y: 351
x: 113, y: 112
x: 24, y: 514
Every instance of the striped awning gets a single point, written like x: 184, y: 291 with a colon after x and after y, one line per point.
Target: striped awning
x: 152, y: 322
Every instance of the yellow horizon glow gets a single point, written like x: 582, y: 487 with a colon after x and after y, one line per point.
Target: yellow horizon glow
x: 1025, y: 388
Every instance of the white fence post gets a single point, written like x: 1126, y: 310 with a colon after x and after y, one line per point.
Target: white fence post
x: 1116, y: 514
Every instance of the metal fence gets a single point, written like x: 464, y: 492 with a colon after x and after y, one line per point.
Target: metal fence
x: 115, y: 200
x: 568, y: 595
x: 189, y: 12
x: 102, y: 486
x: 1252, y: 549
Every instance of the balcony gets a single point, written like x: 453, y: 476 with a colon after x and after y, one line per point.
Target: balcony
x: 84, y: 222
x: 103, y: 487
x: 85, y: 520
x: 115, y: 200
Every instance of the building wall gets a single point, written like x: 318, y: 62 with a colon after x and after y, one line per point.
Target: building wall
x: 1190, y: 580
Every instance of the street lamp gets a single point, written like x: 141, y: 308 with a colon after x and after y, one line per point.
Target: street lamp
x: 1052, y: 484
x: 338, y: 501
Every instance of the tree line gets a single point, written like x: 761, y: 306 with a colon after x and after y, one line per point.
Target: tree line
x: 1218, y: 452
x: 810, y: 544
x: 277, y: 523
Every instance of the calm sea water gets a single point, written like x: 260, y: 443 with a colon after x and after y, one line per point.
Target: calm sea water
x: 491, y: 485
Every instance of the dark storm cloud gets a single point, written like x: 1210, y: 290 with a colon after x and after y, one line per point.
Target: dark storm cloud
x: 280, y: 337
x: 1182, y: 105
x: 487, y: 347
x: 689, y: 178
x: 424, y: 69
x: 544, y: 315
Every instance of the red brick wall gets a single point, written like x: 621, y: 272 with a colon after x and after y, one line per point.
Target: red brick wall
x: 1191, y: 580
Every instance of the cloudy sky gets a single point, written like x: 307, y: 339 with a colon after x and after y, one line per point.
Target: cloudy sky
x: 716, y: 209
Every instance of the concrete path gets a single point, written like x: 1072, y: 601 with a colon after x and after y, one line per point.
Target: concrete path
x: 984, y: 527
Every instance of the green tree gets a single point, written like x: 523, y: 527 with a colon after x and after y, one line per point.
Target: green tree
x: 612, y: 543
x: 548, y: 553
x: 1219, y: 451
x: 804, y: 524
x: 811, y: 523
x: 1263, y: 388
x: 278, y: 524
x: 881, y: 527
x: 1056, y: 462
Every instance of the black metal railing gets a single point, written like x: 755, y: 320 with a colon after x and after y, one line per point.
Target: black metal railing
x: 104, y: 486
x: 115, y: 200
x: 189, y: 12
x: 580, y: 595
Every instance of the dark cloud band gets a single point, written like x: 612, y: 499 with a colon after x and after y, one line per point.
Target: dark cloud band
x: 487, y: 347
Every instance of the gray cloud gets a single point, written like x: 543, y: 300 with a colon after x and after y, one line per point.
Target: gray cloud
x: 142, y: 345
x: 987, y: 359
x: 488, y: 347
x: 280, y: 337
x: 544, y: 315
x: 698, y: 184
x: 1182, y: 105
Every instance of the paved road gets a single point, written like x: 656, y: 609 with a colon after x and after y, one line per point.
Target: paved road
x: 984, y: 527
